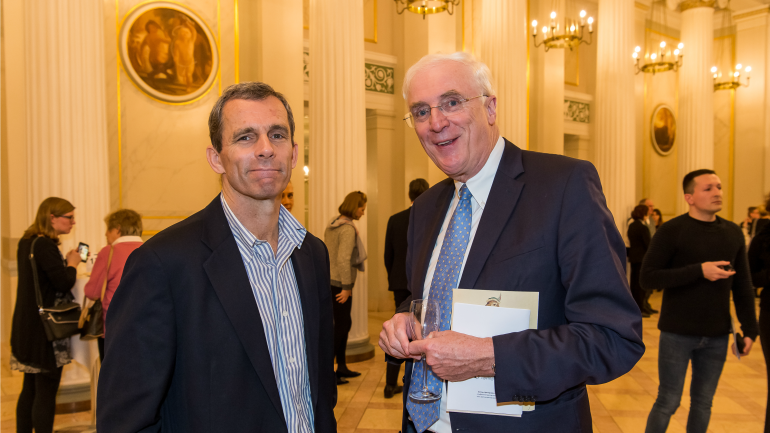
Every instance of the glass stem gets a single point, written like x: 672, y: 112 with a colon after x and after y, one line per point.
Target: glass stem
x: 424, y: 374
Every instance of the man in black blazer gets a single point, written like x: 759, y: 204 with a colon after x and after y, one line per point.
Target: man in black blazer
x: 539, y: 223
x: 395, y: 264
x: 223, y: 322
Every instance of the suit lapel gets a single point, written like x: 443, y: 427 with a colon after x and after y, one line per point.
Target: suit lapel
x: 228, y: 276
x: 502, y: 200
x: 304, y: 272
x: 426, y: 237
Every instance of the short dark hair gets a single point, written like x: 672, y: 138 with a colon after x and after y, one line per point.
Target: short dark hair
x: 642, y: 201
x: 352, y: 202
x: 752, y: 209
x: 688, y: 183
x: 249, y: 91
x: 417, y: 187
x: 639, y: 212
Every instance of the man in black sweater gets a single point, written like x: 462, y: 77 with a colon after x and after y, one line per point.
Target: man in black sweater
x: 698, y: 258
x: 395, y: 264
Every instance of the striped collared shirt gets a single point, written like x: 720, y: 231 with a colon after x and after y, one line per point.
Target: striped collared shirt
x: 275, y: 289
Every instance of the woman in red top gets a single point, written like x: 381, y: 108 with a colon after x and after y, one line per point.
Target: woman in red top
x: 124, y: 228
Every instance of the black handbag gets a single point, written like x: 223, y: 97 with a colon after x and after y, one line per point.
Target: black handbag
x: 59, y: 321
x: 91, y: 322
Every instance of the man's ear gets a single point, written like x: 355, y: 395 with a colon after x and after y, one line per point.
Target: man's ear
x: 213, y: 157
x: 491, y: 109
x: 294, y: 156
x: 688, y: 199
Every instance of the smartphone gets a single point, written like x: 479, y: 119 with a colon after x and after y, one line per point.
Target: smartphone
x: 83, y: 251
x: 728, y: 268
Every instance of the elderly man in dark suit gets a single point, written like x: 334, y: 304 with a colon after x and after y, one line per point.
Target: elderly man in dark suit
x: 223, y: 322
x: 395, y: 264
x: 509, y: 220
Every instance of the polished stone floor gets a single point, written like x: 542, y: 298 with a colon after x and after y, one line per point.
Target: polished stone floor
x: 620, y: 406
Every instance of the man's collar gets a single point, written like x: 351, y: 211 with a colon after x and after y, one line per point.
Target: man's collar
x: 481, y: 184
x: 287, y: 225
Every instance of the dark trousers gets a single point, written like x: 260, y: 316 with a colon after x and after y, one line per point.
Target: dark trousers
x: 37, y: 402
x: 639, y: 294
x: 708, y: 355
x: 100, y: 343
x: 342, y: 324
x: 391, y: 375
x: 764, y: 335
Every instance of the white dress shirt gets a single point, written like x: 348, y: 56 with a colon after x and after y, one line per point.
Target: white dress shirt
x: 479, y: 186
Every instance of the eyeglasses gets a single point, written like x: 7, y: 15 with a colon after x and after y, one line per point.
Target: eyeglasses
x: 449, y: 105
x: 69, y: 217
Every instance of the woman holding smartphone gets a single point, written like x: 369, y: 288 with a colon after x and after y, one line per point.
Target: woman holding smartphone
x: 41, y: 360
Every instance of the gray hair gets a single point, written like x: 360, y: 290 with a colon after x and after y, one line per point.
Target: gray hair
x: 481, y: 74
x: 250, y: 91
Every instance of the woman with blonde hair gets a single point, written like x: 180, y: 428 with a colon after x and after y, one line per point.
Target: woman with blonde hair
x: 124, y: 228
x: 346, y: 257
x: 41, y: 360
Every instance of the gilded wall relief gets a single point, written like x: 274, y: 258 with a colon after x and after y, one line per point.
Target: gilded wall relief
x: 169, y: 52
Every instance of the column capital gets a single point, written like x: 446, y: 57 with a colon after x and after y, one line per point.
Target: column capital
x: 692, y: 4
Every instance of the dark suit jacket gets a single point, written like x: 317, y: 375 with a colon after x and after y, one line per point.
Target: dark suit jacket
x: 545, y: 228
x: 186, y: 351
x: 639, y: 238
x: 395, y: 250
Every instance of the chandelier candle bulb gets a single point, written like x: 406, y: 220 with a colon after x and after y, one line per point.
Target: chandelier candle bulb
x: 590, y: 24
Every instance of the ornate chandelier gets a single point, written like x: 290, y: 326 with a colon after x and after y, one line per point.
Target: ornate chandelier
x: 425, y: 7
x: 733, y: 79
x: 568, y: 34
x: 658, y: 57
x: 657, y: 60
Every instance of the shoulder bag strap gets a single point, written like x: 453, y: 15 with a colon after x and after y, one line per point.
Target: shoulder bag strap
x: 38, y: 296
x: 106, y: 274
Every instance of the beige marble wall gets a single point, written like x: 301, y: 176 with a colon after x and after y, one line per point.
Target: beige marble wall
x: 162, y: 161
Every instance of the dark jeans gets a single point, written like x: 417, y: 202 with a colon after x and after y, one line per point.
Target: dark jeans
x: 764, y: 335
x: 342, y: 324
x: 675, y: 351
x: 391, y: 375
x: 37, y: 402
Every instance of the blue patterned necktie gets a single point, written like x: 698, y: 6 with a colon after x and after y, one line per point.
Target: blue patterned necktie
x: 445, y: 278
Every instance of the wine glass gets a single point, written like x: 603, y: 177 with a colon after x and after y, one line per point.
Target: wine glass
x: 424, y: 318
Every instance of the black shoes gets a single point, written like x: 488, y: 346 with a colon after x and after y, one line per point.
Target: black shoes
x: 341, y: 381
x: 390, y: 390
x: 347, y: 373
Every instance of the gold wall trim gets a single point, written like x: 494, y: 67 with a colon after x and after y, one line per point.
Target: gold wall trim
x: 150, y: 232
x: 528, y: 74
x: 642, y: 6
x: 374, y: 41
x: 765, y: 10
x: 577, y: 68
x: 120, y: 138
x: 692, y: 4
x: 237, y: 47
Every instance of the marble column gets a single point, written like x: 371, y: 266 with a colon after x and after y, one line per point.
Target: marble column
x: 504, y: 42
x: 337, y: 160
x: 66, y: 113
x: 66, y: 137
x: 614, y: 107
x: 696, y: 92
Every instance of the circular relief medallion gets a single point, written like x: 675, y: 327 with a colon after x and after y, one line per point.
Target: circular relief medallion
x: 169, y: 52
x: 663, y: 129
